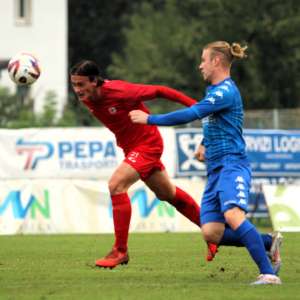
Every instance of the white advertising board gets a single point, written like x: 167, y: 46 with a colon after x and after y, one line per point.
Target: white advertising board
x: 84, y: 206
x: 284, y: 206
x: 83, y: 153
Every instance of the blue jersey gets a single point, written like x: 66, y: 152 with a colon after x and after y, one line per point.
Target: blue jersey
x: 222, y: 112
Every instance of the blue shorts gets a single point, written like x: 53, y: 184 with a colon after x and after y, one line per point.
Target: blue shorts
x: 226, y: 187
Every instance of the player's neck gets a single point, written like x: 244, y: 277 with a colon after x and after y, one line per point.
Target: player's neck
x: 98, y: 92
x: 220, y: 76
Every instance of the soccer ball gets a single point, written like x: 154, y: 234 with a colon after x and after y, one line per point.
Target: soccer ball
x: 24, y: 69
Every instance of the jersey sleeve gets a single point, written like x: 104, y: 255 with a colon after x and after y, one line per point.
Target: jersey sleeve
x: 181, y: 116
x: 214, y: 101
x: 143, y: 92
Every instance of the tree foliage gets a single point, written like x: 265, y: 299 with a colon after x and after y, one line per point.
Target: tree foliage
x: 160, y: 42
x: 16, y: 113
x: 95, y: 29
x: 164, y: 46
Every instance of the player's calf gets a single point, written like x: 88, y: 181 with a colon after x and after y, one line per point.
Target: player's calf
x: 274, y: 253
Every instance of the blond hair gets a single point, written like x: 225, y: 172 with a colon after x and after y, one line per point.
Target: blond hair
x: 229, y: 52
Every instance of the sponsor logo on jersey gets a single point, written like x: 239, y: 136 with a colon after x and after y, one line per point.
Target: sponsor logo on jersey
x: 212, y: 100
x: 224, y: 87
x: 112, y: 110
x: 219, y: 94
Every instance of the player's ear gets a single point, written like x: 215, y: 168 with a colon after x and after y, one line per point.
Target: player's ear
x: 216, y: 60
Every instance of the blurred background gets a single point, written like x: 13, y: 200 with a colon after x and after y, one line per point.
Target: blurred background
x: 155, y: 42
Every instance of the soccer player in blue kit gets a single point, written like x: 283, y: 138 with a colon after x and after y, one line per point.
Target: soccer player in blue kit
x: 229, y: 176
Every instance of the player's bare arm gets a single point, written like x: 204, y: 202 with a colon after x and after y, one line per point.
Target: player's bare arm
x: 138, y: 116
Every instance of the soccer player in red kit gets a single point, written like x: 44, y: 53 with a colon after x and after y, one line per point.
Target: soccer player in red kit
x: 110, y: 101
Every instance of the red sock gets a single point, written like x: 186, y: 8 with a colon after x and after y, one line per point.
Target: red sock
x: 121, y: 215
x: 187, y: 206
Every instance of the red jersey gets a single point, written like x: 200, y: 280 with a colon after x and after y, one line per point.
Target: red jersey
x: 118, y: 98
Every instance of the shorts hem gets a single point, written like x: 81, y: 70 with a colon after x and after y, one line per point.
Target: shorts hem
x: 212, y: 217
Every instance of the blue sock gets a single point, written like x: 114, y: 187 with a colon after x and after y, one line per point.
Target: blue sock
x: 230, y: 239
x: 249, y: 236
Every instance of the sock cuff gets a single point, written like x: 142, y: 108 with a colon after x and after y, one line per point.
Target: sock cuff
x: 120, y: 199
x: 179, y: 193
x: 244, y: 228
x: 178, y: 190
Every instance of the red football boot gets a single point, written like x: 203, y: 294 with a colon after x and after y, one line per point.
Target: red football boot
x: 212, y: 250
x: 112, y: 259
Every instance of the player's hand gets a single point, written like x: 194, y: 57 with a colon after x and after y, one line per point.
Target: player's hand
x: 138, y: 116
x: 200, y: 153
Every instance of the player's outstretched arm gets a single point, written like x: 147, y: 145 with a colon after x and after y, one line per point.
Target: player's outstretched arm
x: 174, y: 95
x: 144, y: 92
x: 181, y: 116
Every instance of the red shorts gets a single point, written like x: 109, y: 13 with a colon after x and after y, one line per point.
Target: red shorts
x: 145, y: 160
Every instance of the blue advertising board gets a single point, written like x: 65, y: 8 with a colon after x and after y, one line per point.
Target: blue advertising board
x: 272, y: 153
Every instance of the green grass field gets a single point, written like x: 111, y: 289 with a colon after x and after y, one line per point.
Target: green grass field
x: 162, y: 266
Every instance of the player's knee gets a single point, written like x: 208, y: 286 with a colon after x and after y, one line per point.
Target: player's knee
x: 212, y: 232
x: 115, y: 187
x: 164, y: 196
x: 210, y: 237
x: 206, y: 234
x: 112, y: 187
x: 234, y: 217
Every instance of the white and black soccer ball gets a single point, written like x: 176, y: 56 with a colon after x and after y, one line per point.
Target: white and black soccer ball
x: 24, y: 69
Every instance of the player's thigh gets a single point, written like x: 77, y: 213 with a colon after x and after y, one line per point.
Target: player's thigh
x: 122, y: 178
x: 159, y: 182
x: 145, y: 162
x: 234, y: 187
x: 210, y: 204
